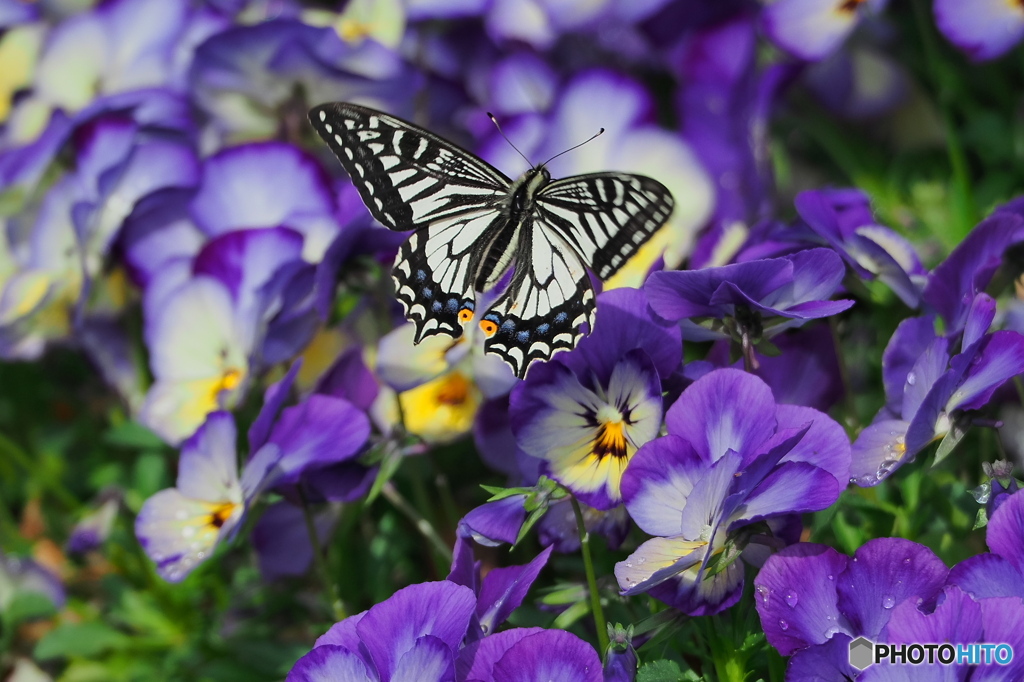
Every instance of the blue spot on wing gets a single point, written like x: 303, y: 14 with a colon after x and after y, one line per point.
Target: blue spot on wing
x: 523, y: 337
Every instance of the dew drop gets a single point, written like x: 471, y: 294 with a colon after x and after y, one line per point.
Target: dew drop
x: 911, y: 379
x: 629, y: 564
x: 640, y: 561
x: 888, y: 601
x: 791, y: 599
x: 907, y: 560
x: 831, y: 577
x: 764, y: 593
x: 783, y: 624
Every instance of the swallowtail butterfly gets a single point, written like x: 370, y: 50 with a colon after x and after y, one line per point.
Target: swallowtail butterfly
x: 473, y: 225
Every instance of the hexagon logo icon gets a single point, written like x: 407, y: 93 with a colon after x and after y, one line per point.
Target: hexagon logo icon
x: 862, y: 653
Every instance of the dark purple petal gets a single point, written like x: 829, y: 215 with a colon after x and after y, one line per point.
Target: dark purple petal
x: 825, y: 444
x: 504, y: 589
x: 1002, y: 619
x: 709, y: 417
x: 884, y: 573
x: 351, y: 379
x: 274, y: 399
x: 1000, y: 358
x: 476, y: 661
x: 911, y: 339
x: 493, y: 437
x: 549, y: 655
x: 495, y: 522
x: 792, y: 487
x: 987, y: 575
x: 796, y: 597
x: 923, y: 376
x: 331, y: 663
x: 979, y: 319
x: 390, y: 629
x: 956, y: 619
x: 806, y: 372
x: 282, y: 542
x: 954, y: 283
x: 688, y: 293
x: 1005, y: 530
x: 318, y: 432
x: 835, y: 214
x: 817, y: 273
x: 343, y: 634
x: 829, y: 661
x: 984, y: 30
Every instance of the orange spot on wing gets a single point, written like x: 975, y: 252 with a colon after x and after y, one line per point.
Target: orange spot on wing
x: 465, y: 315
x: 489, y: 328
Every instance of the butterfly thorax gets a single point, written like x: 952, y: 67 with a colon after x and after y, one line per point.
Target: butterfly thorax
x: 516, y: 211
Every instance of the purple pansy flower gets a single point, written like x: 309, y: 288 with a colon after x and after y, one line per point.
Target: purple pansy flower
x: 586, y: 412
x: 19, y: 575
x: 1000, y: 572
x: 813, y: 601
x: 812, y: 29
x: 984, y: 29
x: 93, y: 529
x: 724, y: 465
x: 420, y: 633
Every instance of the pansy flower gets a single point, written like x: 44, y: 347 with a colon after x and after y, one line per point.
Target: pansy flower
x: 726, y: 468
x: 19, y: 575
x: 812, y: 29
x: 1000, y: 571
x: 813, y: 601
x: 585, y: 413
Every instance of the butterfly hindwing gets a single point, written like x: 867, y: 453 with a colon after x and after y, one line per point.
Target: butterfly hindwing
x: 544, y: 306
x: 607, y: 217
x: 434, y: 269
x: 407, y: 177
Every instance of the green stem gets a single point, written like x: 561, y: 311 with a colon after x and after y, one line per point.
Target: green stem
x: 321, y: 563
x: 390, y: 492
x: 12, y: 451
x: 588, y: 564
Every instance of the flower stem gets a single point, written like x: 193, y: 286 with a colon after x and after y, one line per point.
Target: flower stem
x: 321, y: 563
x: 588, y: 564
x: 390, y: 492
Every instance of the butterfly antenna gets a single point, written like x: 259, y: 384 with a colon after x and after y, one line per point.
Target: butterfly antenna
x: 598, y: 134
x: 495, y: 122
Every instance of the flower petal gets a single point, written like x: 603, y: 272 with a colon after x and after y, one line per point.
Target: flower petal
x: 549, y: 655
x: 984, y: 29
x: 657, y: 483
x: 331, y: 664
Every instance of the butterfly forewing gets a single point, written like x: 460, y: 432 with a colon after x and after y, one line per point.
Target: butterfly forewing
x: 472, y: 223
x: 406, y: 176
x: 606, y: 216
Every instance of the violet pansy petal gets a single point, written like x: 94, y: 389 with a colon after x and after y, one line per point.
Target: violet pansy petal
x: 987, y: 575
x: 825, y: 444
x: 796, y: 596
x: 809, y: 29
x: 878, y: 451
x: 261, y: 471
x: 282, y: 542
x: 476, y: 660
x: 1000, y: 359
x: 273, y: 400
x: 657, y: 560
x: 1005, y: 529
x: 331, y: 664
x: 390, y: 629
x: 956, y: 618
x: 680, y: 294
x: 1002, y: 619
x: 658, y: 481
x: 923, y: 375
x: 828, y: 661
x: 791, y: 488
x: 984, y: 29
x: 817, y: 273
x: 884, y: 573
x: 912, y: 337
x: 429, y: 660
x: 320, y: 431
x: 208, y: 468
x: 708, y: 415
x: 503, y: 590
x: 706, y: 507
x: 549, y: 655
x: 979, y: 319
x: 493, y: 523
x: 342, y: 633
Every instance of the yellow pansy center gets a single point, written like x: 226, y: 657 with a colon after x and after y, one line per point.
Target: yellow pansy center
x: 611, y: 433
x: 442, y: 409
x: 220, y: 514
x: 850, y: 5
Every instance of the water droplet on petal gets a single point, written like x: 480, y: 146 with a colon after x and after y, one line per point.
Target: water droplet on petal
x: 783, y: 624
x: 831, y: 577
x: 911, y: 379
x: 629, y: 564
x: 791, y: 599
x: 640, y: 561
x: 888, y: 601
x: 764, y: 592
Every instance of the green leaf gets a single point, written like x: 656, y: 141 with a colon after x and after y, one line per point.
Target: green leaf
x: 660, y: 671
x: 80, y: 639
x: 133, y: 435
x: 957, y: 431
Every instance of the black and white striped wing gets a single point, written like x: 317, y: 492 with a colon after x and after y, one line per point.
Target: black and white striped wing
x: 548, y: 299
x: 411, y: 179
x: 606, y: 217
x: 407, y: 176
